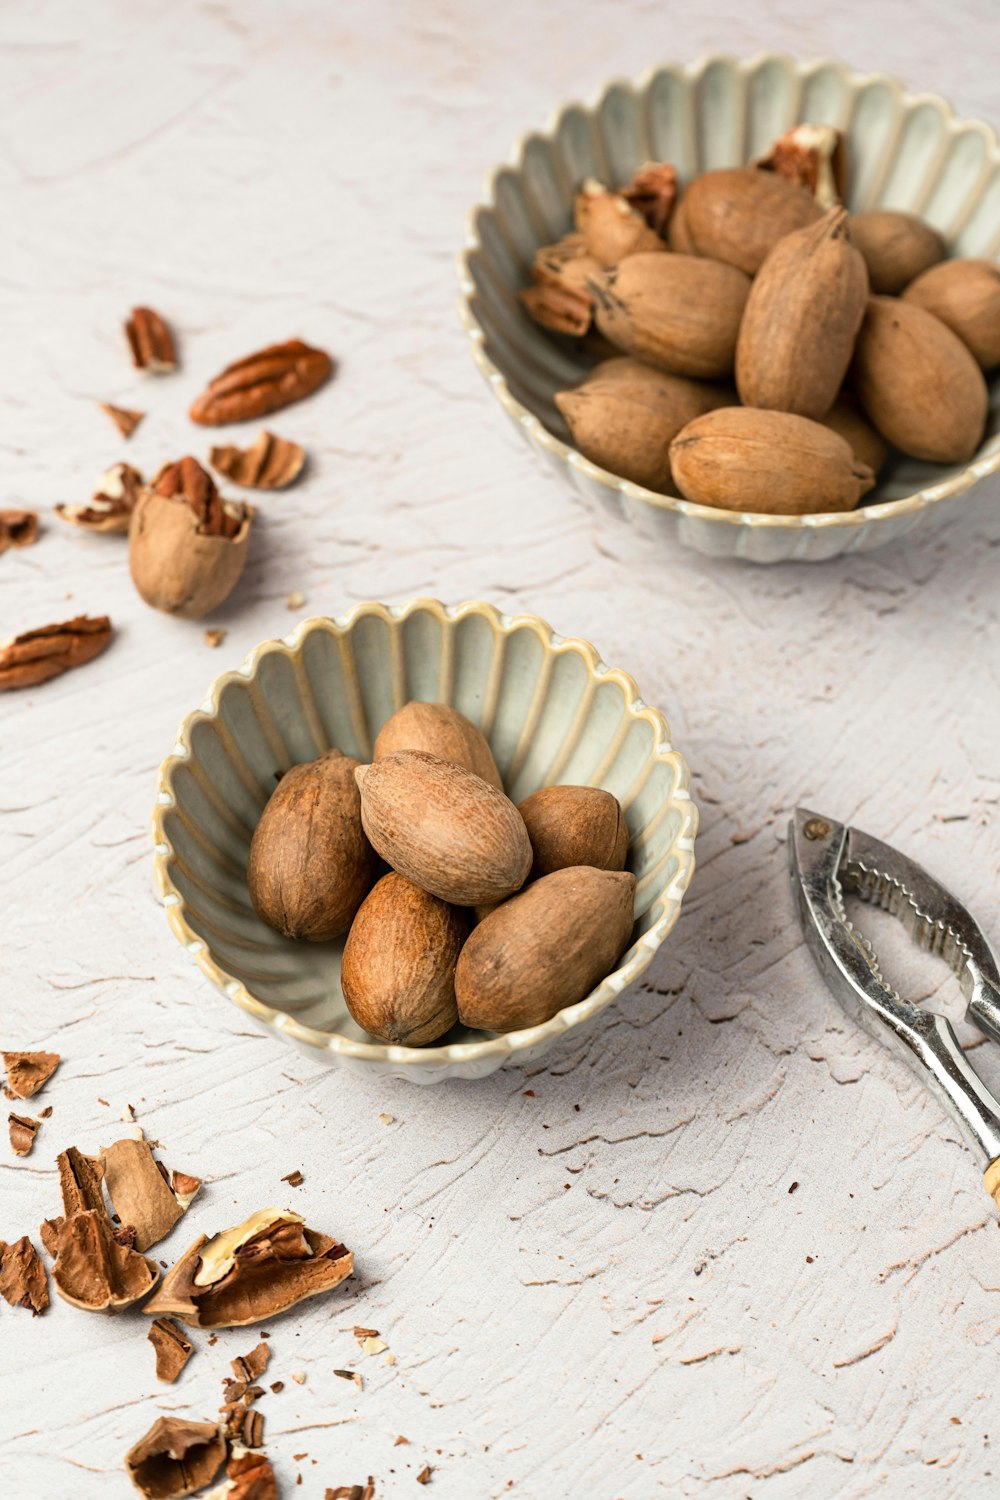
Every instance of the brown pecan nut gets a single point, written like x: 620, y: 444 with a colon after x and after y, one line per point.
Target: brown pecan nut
x: 187, y: 545
x: 653, y: 193
x: 270, y: 463
x: 124, y: 419
x: 37, y: 655
x: 151, y: 342
x: 811, y: 157
x: 112, y: 504
x: 261, y: 383
x: 18, y: 528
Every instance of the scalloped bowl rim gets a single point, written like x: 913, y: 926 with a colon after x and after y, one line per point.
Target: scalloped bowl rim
x: 504, y: 1045
x: 906, y: 505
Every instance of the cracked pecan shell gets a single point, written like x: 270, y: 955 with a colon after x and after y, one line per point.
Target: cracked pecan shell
x: 263, y: 382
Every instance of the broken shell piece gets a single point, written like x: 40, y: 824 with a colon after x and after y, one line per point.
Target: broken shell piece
x: 251, y: 1272
x: 173, y: 1349
x: 93, y: 1270
x: 352, y: 1491
x: 27, y: 1072
x: 22, y: 1276
x: 18, y: 528
x: 23, y: 1130
x: 125, y: 420
x: 653, y: 193
x: 249, y: 1476
x: 80, y: 1182
x: 110, y: 509
x: 140, y: 1191
x: 811, y: 157
x: 270, y: 463
x: 175, y: 1458
x: 252, y: 1366
x: 612, y: 229
x: 560, y: 299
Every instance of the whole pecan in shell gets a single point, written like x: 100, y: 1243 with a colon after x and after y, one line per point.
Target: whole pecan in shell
x: 263, y: 382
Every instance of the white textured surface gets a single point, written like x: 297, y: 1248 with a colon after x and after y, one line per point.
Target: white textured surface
x: 613, y: 1267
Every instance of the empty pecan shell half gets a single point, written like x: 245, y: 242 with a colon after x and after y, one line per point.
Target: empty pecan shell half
x: 37, y: 655
x: 263, y: 382
x: 18, y: 528
x: 270, y: 463
x: 150, y: 341
x: 110, y: 509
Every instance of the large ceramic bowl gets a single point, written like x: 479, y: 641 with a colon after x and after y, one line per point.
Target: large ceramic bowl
x: 906, y: 151
x: 552, y: 711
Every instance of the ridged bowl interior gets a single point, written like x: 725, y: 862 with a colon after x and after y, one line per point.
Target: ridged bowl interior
x: 905, y: 151
x: 553, y: 713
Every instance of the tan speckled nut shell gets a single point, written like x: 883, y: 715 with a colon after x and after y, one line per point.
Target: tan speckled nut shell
x: 896, y: 247
x: 678, y: 312
x: 773, y: 462
x: 625, y: 415
x: 176, y: 568
x: 918, y: 383
x: 398, y: 970
x: 310, y: 864
x: 846, y: 419
x: 442, y: 731
x: 965, y: 295
x: 544, y: 949
x: 574, y: 825
x: 738, y: 214
x: 801, y: 320
x: 444, y: 828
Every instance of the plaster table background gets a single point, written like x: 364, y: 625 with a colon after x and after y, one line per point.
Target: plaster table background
x: 607, y: 1288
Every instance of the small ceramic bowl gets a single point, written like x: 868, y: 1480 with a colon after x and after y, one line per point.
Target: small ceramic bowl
x: 553, y: 713
x: 905, y: 151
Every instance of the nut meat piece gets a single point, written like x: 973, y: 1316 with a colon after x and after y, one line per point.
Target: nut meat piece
x: 124, y: 419
x: 110, y: 509
x: 173, y: 1349
x: 263, y: 382
x: 151, y: 342
x: 27, y: 1072
x: 29, y: 659
x: 22, y: 1276
x: 653, y: 191
x: 270, y: 463
x: 175, y: 1458
x: 251, y: 1272
x: 250, y: 1477
x: 18, y: 528
x: 811, y: 157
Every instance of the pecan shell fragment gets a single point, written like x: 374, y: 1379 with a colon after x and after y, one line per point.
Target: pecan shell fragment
x: 112, y: 504
x: 27, y: 1072
x: 263, y: 382
x: 270, y: 463
x: 124, y: 419
x: 37, y: 655
x: 18, y: 528
x: 175, y: 1458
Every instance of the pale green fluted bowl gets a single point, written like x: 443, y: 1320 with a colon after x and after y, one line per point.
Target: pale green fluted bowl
x: 552, y: 712
x: 906, y: 151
